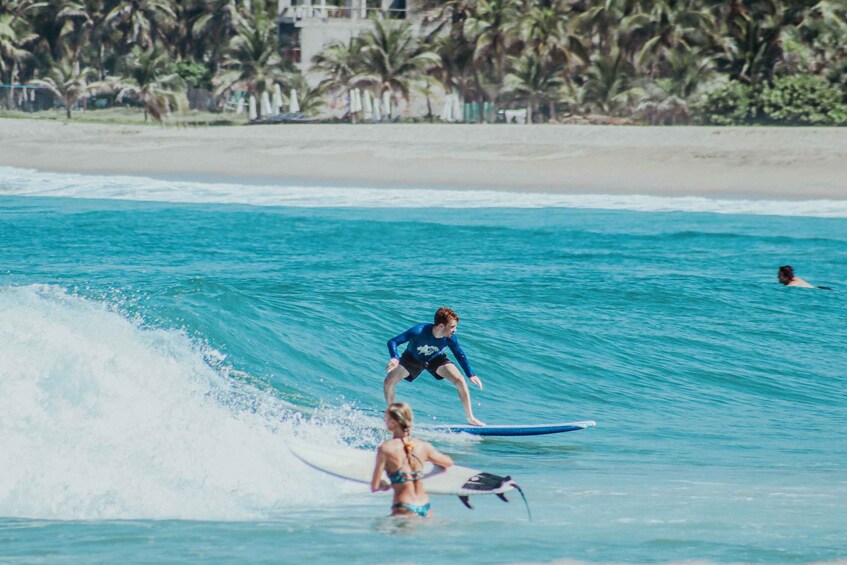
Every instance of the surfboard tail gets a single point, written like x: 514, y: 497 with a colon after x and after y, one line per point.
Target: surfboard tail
x: 486, y: 482
x: 489, y: 483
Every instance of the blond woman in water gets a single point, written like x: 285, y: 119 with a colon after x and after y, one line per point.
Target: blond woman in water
x: 402, y: 459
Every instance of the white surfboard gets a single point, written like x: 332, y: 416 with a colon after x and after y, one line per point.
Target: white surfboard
x: 358, y: 465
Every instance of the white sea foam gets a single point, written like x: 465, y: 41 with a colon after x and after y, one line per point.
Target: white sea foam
x: 22, y: 182
x: 103, y: 418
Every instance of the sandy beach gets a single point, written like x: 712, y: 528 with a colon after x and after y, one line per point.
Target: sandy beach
x: 792, y: 163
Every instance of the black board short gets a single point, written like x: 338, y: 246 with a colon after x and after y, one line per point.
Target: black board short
x: 415, y: 367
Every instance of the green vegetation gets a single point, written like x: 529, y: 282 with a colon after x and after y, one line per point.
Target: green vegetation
x: 803, y: 100
x: 657, y: 61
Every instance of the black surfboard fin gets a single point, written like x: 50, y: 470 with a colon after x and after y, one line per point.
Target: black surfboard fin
x: 466, y: 501
x: 502, y: 497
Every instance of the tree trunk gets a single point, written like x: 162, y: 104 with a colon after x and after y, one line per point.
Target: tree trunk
x: 11, y: 98
x: 100, y: 69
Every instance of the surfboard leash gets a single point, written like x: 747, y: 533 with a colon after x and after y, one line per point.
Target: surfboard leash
x: 525, y: 501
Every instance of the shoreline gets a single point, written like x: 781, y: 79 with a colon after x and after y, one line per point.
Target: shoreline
x: 728, y: 162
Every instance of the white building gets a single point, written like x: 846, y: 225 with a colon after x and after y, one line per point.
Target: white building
x: 306, y: 26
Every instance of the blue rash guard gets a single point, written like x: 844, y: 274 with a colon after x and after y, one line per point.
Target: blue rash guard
x: 424, y: 346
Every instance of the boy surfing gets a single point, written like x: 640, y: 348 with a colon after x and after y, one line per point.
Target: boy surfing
x: 426, y: 351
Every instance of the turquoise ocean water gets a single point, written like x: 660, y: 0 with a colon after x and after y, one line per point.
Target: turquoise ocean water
x: 160, y: 340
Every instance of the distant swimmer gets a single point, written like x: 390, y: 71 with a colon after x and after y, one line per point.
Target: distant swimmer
x: 402, y: 459
x: 788, y: 278
x: 426, y: 351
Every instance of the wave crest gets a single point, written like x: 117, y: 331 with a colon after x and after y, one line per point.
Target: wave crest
x: 21, y: 182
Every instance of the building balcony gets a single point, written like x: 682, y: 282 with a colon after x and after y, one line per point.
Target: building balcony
x: 292, y: 11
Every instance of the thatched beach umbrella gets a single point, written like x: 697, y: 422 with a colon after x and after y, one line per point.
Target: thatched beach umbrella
x: 368, y: 105
x: 266, y: 104
x: 386, y: 103
x: 377, y: 110
x: 295, y: 105
x: 355, y: 100
x: 447, y: 110
x: 277, y: 100
x: 457, y: 108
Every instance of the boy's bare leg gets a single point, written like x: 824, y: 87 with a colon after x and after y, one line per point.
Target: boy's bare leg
x: 451, y: 373
x: 391, y: 379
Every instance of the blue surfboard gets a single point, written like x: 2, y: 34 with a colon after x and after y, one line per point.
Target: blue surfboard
x: 511, y: 429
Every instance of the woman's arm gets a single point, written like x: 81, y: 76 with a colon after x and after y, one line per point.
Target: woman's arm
x: 377, y: 482
x: 439, y: 458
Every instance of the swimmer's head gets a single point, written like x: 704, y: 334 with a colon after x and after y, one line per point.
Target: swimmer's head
x: 786, y: 274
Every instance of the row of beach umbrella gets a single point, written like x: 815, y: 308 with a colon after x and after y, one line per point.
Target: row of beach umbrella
x: 371, y: 107
x: 270, y: 106
x: 452, y: 109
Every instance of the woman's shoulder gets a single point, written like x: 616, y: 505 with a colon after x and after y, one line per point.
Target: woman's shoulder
x: 388, y: 446
x: 422, y: 444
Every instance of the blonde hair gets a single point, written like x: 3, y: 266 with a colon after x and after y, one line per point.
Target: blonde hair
x: 401, y: 413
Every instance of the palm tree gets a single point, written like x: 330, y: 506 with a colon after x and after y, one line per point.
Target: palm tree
x: 393, y: 57
x: 76, y: 24
x: 608, y: 82
x: 13, y: 37
x: 141, y: 22
x: 455, y: 71
x: 599, y: 23
x: 66, y: 81
x: 669, y: 99
x: 491, y: 27
x: 751, y: 46
x: 820, y: 37
x: 668, y: 25
x: 148, y: 79
x: 217, y: 21
x: 252, y: 57
x: 688, y: 70
x: 340, y: 63
x: 545, y: 29
x: 182, y: 43
x: 16, y: 43
x: 533, y: 80
x: 311, y: 100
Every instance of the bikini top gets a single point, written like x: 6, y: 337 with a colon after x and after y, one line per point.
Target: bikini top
x: 400, y: 476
